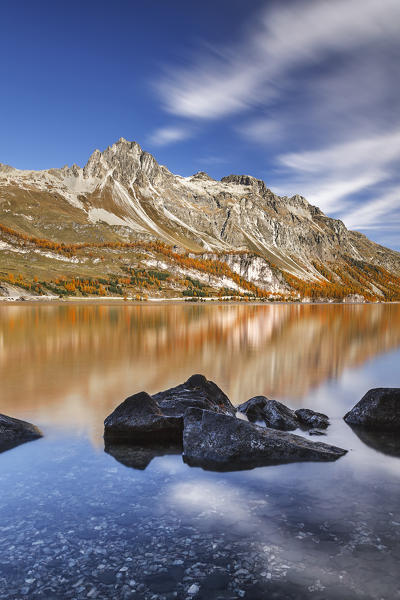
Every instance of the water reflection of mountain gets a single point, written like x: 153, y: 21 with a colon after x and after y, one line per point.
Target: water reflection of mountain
x: 73, y: 363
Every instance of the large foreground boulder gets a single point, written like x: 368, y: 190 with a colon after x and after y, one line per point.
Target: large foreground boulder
x: 196, y: 392
x: 158, y: 419
x: 274, y: 414
x: 379, y: 409
x: 14, y: 432
x: 139, y: 420
x: 224, y: 443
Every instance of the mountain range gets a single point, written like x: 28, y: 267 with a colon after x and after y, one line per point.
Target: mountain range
x: 125, y: 225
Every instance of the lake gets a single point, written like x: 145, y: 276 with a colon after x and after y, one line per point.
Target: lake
x: 77, y: 523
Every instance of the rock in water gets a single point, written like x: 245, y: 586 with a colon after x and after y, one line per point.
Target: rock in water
x: 139, y: 420
x: 310, y: 418
x: 223, y: 443
x: 274, y: 414
x: 14, y: 432
x: 196, y: 392
x: 379, y: 409
x: 254, y: 408
x: 158, y: 419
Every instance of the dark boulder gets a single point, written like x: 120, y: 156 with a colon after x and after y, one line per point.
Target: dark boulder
x: 254, y: 408
x: 310, y: 418
x: 274, y: 414
x: 196, y: 392
x: 223, y: 443
x: 139, y: 457
x: 379, y: 409
x: 158, y: 419
x: 139, y: 420
x: 14, y: 432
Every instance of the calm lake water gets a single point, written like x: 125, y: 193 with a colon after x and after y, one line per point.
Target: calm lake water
x: 76, y: 523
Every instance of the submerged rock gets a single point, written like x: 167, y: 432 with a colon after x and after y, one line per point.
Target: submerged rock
x: 223, y: 443
x: 310, y: 418
x: 196, y: 392
x: 274, y: 414
x: 145, y: 419
x: 14, y: 432
x: 138, y: 420
x: 379, y: 409
x: 139, y: 457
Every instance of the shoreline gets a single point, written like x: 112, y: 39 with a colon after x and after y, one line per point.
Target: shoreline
x: 19, y: 300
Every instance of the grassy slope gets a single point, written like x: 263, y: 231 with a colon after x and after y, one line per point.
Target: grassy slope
x: 155, y: 269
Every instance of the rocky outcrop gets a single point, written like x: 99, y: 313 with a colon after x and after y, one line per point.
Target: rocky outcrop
x: 139, y: 420
x: 274, y: 414
x: 219, y: 442
x: 196, y: 392
x: 144, y: 419
x: 253, y: 408
x: 14, y: 432
x: 278, y: 416
x: 379, y: 409
x: 198, y: 417
x: 310, y: 418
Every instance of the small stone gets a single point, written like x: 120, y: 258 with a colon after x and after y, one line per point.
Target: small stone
x: 193, y: 590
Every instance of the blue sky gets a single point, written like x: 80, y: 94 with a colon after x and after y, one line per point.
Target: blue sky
x: 303, y: 94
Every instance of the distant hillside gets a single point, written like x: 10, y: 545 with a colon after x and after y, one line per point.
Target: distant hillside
x: 124, y: 225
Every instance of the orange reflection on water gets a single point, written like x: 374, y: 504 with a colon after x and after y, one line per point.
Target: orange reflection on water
x: 71, y: 364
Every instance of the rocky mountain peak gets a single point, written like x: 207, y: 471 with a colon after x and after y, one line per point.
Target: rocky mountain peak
x: 203, y: 176
x: 124, y: 161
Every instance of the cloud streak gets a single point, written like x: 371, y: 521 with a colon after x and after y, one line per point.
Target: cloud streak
x: 331, y: 176
x: 169, y: 135
x: 235, y: 78
x: 373, y: 214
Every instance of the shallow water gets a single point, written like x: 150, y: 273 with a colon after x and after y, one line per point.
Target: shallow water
x: 76, y: 523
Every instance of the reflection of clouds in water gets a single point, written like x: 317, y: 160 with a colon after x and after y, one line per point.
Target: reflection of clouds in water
x: 295, y: 523
x: 208, y: 499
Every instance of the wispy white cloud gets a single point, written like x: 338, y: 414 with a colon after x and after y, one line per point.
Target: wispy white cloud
x: 377, y: 151
x: 373, y: 214
x: 287, y: 37
x: 330, y: 192
x: 169, y: 135
x: 262, y: 130
x: 331, y: 176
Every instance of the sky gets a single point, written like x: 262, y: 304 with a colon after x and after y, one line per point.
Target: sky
x: 303, y: 94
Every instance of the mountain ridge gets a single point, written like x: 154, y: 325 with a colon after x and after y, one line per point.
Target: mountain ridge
x: 122, y: 195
